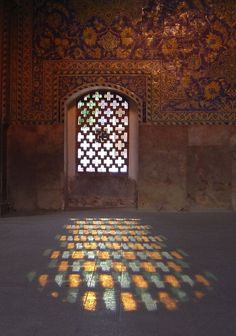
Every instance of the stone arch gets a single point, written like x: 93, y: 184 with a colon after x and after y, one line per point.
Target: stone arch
x: 82, y: 89
x: 68, y: 107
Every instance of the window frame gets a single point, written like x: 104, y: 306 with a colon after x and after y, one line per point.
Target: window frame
x: 78, y: 127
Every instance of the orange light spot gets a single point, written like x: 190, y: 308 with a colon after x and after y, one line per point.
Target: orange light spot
x: 78, y: 255
x: 176, y: 254
x: 138, y: 247
x: 74, y: 280
x: 63, y: 266
x: 124, y: 239
x: 129, y: 255
x: 119, y: 267
x: 75, y: 232
x: 148, y: 267
x: 70, y: 246
x: 43, y: 280
x: 106, y: 281
x: 154, y: 255
x: 83, y: 238
x: 155, y: 246
x: 55, y: 295
x: 90, y: 301
x: 76, y: 238
x: 139, y: 281
x: 55, y: 254
x: 128, y: 301
x: 172, y: 280
x: 174, y: 266
x: 201, y: 279
x: 104, y: 238
x: 90, y: 246
x: 168, y: 302
x: 89, y: 266
x: 63, y: 238
x: 103, y: 255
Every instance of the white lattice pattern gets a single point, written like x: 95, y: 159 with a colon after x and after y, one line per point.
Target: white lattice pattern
x: 102, y: 133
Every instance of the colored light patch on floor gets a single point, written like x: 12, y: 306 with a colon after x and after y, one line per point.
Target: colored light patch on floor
x: 116, y: 263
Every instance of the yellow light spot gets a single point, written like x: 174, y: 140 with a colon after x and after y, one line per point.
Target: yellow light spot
x: 115, y: 246
x: 74, y: 280
x: 63, y: 266
x: 63, y: 238
x: 83, y: 238
x: 139, y: 281
x: 70, y: 246
x: 145, y: 239
x: 201, y: 279
x: 106, y: 281
x: 43, y: 280
x: 172, y: 280
x: 174, y: 266
x: 75, y: 232
x: 128, y: 301
x: 148, y: 267
x: 78, y: 255
x: 199, y: 295
x: 76, y: 238
x: 90, y: 246
x: 68, y: 226
x: 154, y: 255
x: 89, y: 266
x: 55, y: 254
x: 104, y: 238
x: 138, y: 246
x: 94, y: 232
x: 55, y: 295
x: 168, y: 302
x: 131, y: 246
x: 89, y: 301
x: 129, y: 255
x: 97, y: 238
x: 125, y: 239
x: 103, y: 255
x: 155, y: 246
x: 176, y: 254
x: 119, y: 267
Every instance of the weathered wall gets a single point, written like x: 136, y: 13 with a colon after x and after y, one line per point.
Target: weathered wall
x: 181, y: 65
x: 180, y: 168
x: 188, y: 167
x: 35, y: 167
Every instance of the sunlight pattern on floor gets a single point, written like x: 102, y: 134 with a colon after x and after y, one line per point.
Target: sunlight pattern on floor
x: 115, y: 263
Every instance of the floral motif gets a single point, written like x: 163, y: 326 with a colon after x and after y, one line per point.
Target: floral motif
x: 213, y: 41
x: 61, y: 45
x: 212, y: 90
x: 90, y: 36
x: 127, y: 36
x: 108, y: 41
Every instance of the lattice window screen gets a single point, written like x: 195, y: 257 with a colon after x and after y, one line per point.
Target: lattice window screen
x: 102, y: 133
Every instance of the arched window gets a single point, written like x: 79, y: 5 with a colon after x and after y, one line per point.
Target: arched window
x: 102, y: 133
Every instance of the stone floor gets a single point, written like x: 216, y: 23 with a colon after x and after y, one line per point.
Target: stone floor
x: 118, y: 272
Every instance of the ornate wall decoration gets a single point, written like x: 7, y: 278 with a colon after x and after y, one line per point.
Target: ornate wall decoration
x: 4, y: 37
x: 188, y: 49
